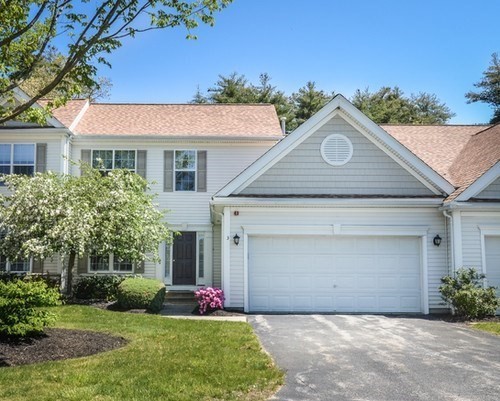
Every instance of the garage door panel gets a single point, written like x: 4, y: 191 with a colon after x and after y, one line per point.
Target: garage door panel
x: 333, y: 274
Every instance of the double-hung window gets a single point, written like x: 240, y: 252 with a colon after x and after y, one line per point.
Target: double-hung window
x: 17, y: 158
x: 107, y: 160
x: 109, y: 264
x: 185, y: 170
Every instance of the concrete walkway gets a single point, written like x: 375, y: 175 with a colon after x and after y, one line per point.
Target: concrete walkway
x: 184, y: 311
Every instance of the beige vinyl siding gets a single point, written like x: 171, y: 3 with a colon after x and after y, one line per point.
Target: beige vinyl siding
x: 224, y: 162
x: 369, y: 172
x: 428, y: 217
x: 217, y: 248
x: 492, y: 191
x: 471, y: 236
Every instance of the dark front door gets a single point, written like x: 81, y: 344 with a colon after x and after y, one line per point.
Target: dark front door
x: 184, y: 259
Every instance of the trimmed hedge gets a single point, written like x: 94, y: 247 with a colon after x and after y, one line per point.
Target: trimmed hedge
x: 141, y: 293
x: 98, y: 286
x: 20, y: 303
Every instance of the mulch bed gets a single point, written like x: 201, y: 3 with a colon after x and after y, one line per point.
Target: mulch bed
x: 216, y: 312
x: 56, y: 344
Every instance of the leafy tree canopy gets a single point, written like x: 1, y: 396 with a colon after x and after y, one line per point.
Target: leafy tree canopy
x: 390, y: 106
x: 31, y: 28
x: 90, y: 214
x: 489, y: 88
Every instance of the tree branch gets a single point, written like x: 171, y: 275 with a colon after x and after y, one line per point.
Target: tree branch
x: 6, y: 41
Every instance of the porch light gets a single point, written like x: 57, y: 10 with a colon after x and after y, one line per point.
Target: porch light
x: 236, y: 239
x: 437, y: 240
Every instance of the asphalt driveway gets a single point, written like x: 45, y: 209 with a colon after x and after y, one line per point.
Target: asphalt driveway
x: 380, y: 358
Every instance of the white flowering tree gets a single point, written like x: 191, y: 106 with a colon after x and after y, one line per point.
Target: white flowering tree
x: 50, y: 214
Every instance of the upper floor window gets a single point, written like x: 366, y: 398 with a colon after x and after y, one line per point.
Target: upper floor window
x: 108, y: 160
x: 185, y: 170
x: 17, y: 158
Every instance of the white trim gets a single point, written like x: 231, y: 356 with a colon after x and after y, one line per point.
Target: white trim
x: 457, y: 239
x: 391, y: 146
x: 21, y: 95
x: 486, y: 231
x: 342, y: 230
x: 79, y: 116
x: 219, y: 203
x: 226, y: 255
x: 481, y: 183
x: 425, y: 275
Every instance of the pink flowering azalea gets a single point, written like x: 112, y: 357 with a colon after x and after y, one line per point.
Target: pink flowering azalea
x: 209, y: 299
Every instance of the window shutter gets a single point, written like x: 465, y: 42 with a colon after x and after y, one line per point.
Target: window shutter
x: 82, y: 264
x: 37, y: 266
x: 202, y: 171
x: 85, y: 157
x: 141, y: 163
x: 139, y: 267
x: 168, y: 173
x: 41, y: 157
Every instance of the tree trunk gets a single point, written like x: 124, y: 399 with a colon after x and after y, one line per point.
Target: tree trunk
x: 69, y: 278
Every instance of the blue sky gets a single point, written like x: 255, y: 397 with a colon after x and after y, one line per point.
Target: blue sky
x: 436, y: 46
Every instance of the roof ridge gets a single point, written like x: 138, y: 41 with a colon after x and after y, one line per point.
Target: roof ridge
x: 176, y: 104
x: 437, y: 125
x: 486, y: 129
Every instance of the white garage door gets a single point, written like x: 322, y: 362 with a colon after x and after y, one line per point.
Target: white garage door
x: 492, y: 252
x: 334, y: 274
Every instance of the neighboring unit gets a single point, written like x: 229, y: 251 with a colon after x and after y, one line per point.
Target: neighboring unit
x: 342, y: 215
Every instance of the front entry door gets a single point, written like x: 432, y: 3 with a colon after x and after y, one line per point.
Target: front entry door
x: 184, y: 259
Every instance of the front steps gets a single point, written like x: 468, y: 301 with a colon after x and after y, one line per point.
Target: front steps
x: 180, y: 297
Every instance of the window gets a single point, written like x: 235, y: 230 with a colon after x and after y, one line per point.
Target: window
x: 102, y: 264
x: 108, y: 160
x: 18, y: 158
x: 18, y: 266
x: 185, y: 170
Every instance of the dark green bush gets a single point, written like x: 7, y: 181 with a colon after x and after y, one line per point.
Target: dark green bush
x: 20, y: 303
x: 99, y: 287
x: 141, y: 293
x: 467, y: 296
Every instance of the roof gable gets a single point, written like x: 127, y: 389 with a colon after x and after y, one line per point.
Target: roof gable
x: 342, y: 107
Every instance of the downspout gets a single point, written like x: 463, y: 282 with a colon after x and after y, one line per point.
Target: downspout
x: 450, y: 238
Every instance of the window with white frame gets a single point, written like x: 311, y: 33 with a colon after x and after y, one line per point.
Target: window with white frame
x: 17, y: 266
x: 17, y: 158
x: 185, y: 170
x: 109, y: 264
x: 108, y: 160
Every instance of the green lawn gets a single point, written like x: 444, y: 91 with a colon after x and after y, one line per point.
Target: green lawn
x: 166, y: 359
x: 491, y: 327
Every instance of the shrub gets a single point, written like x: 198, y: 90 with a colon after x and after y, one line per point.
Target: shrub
x: 103, y: 287
x: 141, y: 293
x: 20, y: 303
x: 209, y: 299
x: 467, y: 295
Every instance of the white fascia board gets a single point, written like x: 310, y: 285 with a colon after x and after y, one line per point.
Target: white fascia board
x: 391, y: 143
x: 87, y: 138
x: 23, y: 97
x: 281, y: 149
x: 218, y: 202
x: 480, y: 184
x: 45, y: 132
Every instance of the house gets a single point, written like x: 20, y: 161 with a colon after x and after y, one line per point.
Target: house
x: 342, y: 215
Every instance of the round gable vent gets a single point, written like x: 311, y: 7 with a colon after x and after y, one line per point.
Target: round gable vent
x: 336, y: 149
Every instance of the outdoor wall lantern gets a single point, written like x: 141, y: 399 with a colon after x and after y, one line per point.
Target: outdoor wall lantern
x: 437, y: 240
x: 236, y: 239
